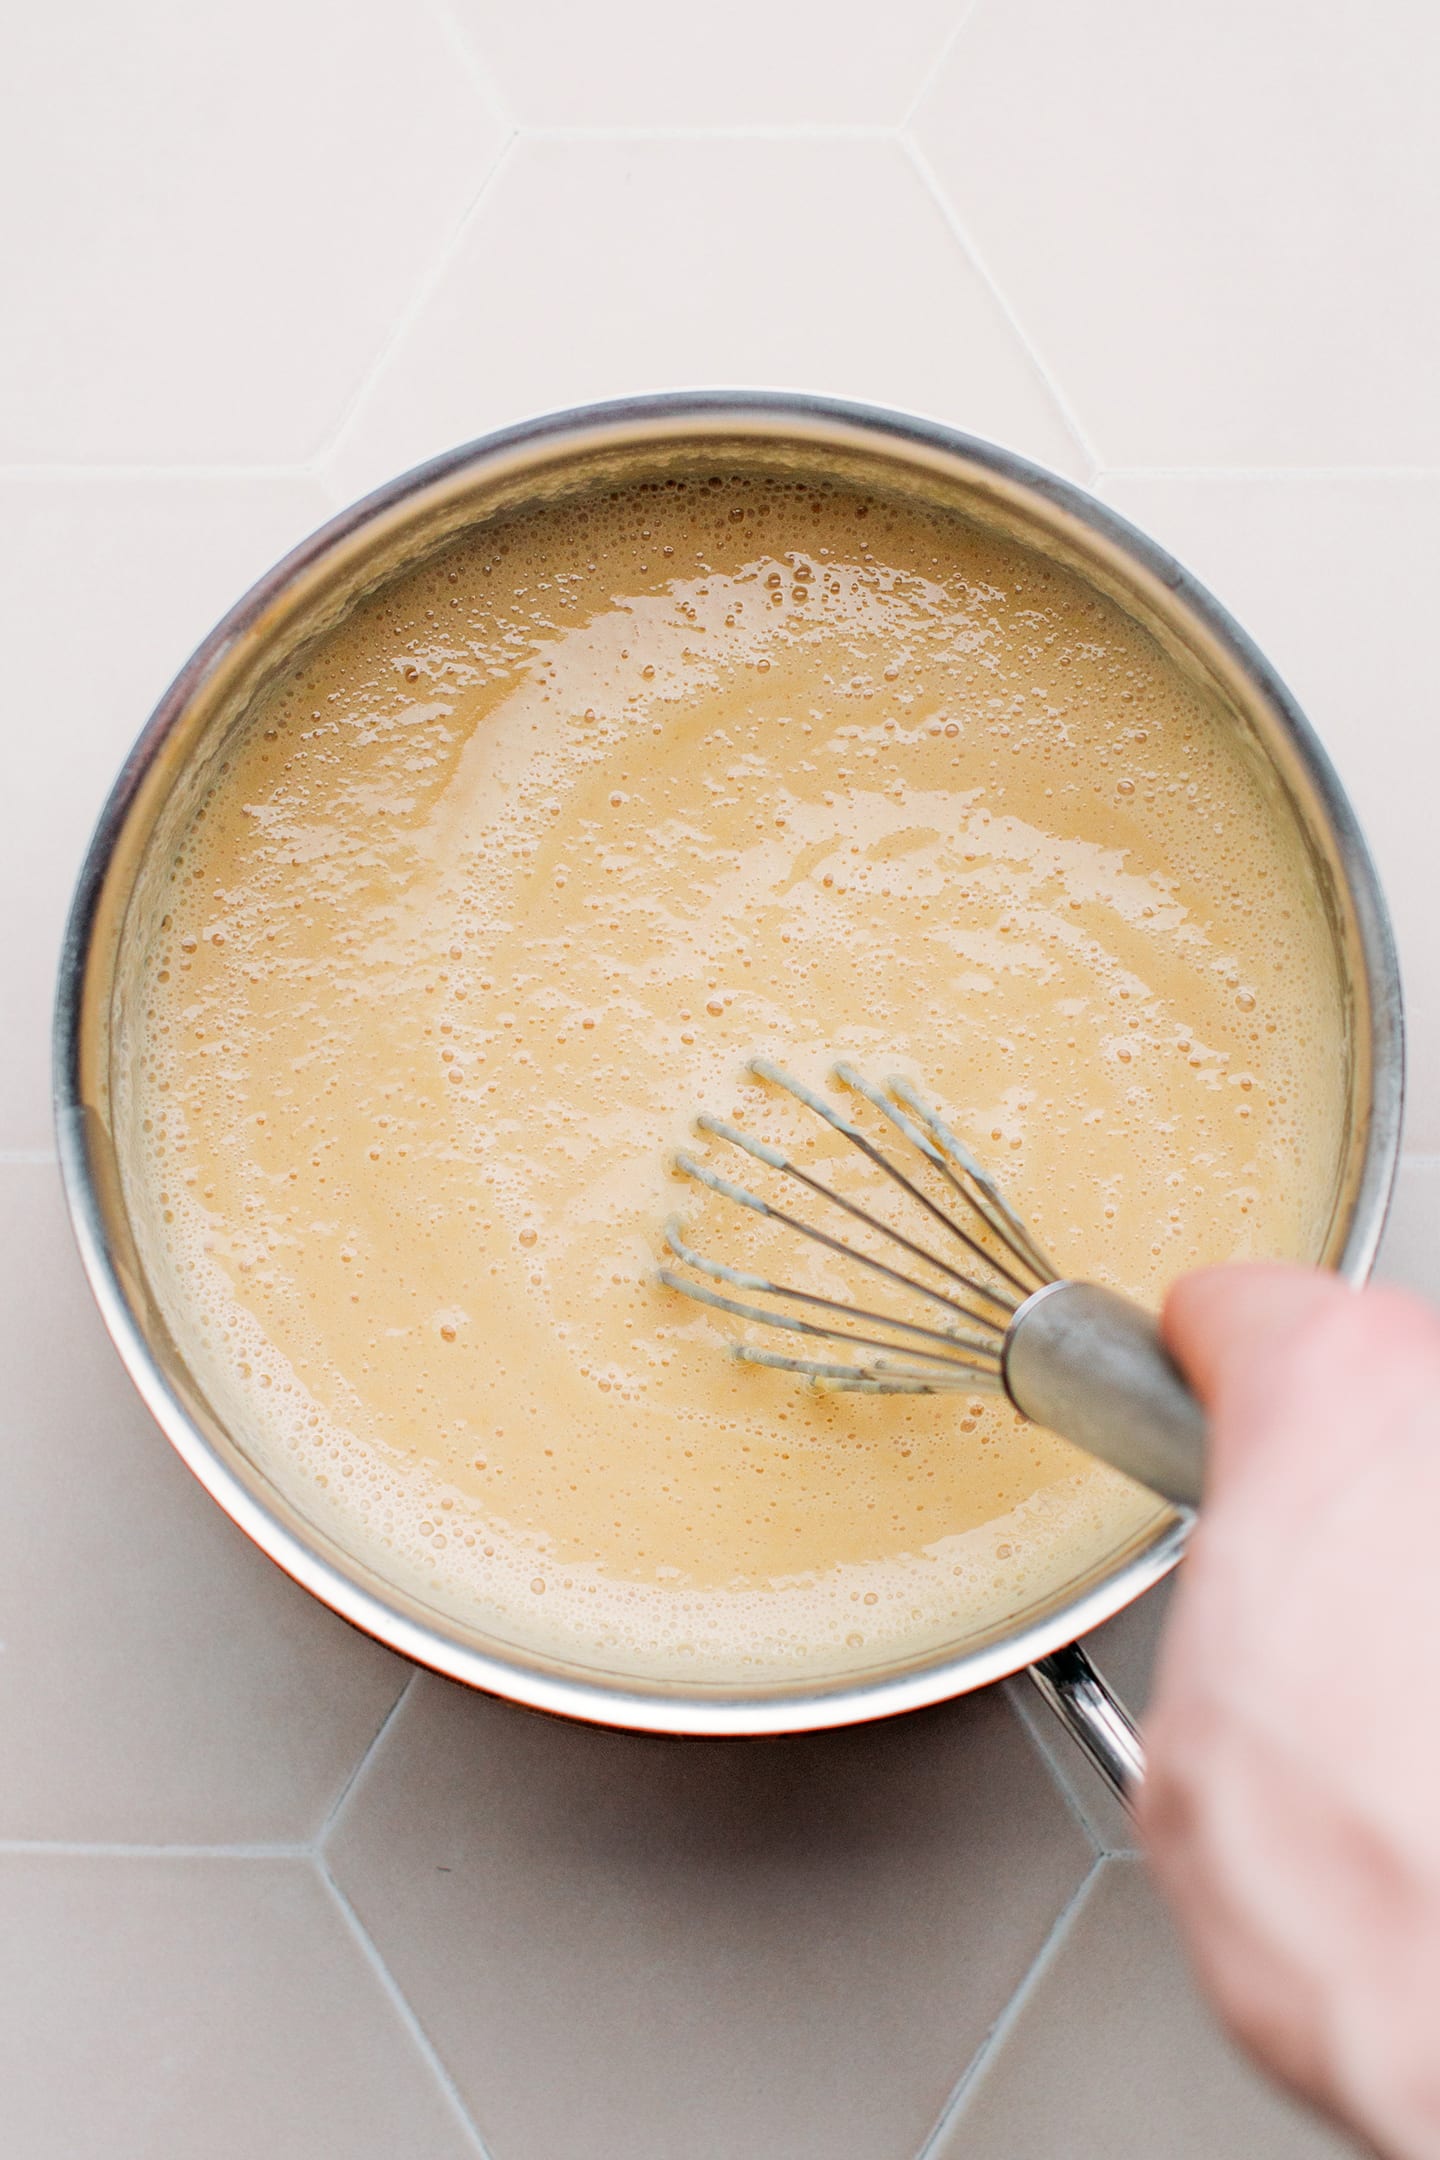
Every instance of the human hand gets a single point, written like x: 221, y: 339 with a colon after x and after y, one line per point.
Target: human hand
x: 1292, y: 1800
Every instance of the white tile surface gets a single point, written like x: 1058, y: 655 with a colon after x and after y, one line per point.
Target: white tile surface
x: 657, y: 1948
x: 1335, y: 575
x: 107, y: 583
x: 256, y: 262
x: 1110, y: 2055
x: 160, y: 1682
x: 654, y: 64
x: 167, y: 2009
x: 1410, y: 1254
x: 593, y: 268
x: 1218, y: 225
x: 213, y: 216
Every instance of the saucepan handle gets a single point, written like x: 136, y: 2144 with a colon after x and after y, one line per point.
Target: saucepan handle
x: 1095, y: 1718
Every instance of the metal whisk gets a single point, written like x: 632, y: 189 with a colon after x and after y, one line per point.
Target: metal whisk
x: 998, y: 1314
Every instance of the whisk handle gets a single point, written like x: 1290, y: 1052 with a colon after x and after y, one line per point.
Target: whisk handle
x: 1090, y: 1365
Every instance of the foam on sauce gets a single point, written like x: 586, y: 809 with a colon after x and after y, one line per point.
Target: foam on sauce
x: 513, y: 874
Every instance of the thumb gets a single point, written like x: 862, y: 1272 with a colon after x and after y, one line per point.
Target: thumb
x: 1299, y: 1371
x: 1227, y: 1328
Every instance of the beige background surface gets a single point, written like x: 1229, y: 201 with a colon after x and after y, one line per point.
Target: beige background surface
x: 262, y: 1890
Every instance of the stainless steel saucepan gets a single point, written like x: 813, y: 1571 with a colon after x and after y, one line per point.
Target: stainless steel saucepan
x: 99, y: 1032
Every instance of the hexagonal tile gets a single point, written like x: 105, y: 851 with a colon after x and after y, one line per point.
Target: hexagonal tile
x: 1335, y: 575
x: 237, y: 202
x: 664, y: 66
x: 108, y: 584
x: 159, y: 2009
x: 651, y: 1947
x: 160, y: 1682
x: 596, y: 268
x: 1217, y: 229
x: 1110, y: 2055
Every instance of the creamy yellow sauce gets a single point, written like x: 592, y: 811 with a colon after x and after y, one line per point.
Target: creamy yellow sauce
x: 512, y: 875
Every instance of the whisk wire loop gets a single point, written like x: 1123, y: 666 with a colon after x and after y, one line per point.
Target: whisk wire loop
x: 742, y: 1279
x: 973, y: 1187
x: 912, y: 1357
x: 962, y: 1361
x: 876, y: 1378
x: 688, y: 1167
x: 986, y: 1197
x: 764, y: 1069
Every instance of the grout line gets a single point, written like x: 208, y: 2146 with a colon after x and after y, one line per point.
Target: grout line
x: 947, y: 45
x: 1267, y: 472
x: 337, y: 1805
x: 718, y: 131
x: 70, y: 1849
x: 474, y: 64
x: 978, y: 264
x: 425, y: 288
x: 1014, y: 1690
x: 59, y: 469
x: 1040, y: 1727
x: 1000, y: 2031
x: 400, y: 2002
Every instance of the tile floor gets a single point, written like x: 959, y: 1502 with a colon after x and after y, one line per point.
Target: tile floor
x: 262, y: 1890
